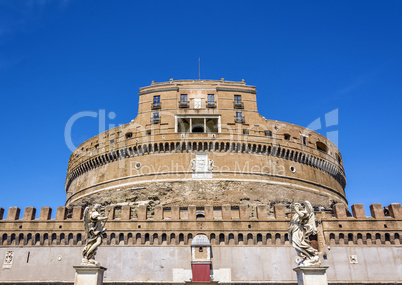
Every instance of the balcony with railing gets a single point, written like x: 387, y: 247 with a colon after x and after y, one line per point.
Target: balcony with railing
x: 156, y: 106
x: 239, y: 120
x: 211, y: 104
x: 183, y: 104
x: 238, y: 105
x: 155, y: 120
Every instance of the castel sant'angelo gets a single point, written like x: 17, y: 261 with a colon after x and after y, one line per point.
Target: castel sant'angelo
x: 199, y: 177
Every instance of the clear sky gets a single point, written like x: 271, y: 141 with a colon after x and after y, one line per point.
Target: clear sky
x: 307, y: 58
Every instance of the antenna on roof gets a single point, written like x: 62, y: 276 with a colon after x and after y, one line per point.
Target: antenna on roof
x: 199, y: 68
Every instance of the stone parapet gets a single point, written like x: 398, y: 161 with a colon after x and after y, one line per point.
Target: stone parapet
x: 207, y: 212
x: 177, y: 225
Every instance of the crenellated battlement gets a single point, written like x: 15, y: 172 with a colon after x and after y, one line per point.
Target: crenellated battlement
x: 207, y: 212
x: 225, y: 225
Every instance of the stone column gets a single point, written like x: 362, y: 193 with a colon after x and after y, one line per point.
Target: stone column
x: 311, y: 275
x: 89, y: 275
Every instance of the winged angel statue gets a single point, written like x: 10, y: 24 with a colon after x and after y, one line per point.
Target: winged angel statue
x: 302, y: 225
x: 94, y: 228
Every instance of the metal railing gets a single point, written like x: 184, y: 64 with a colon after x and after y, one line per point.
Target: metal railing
x: 238, y: 105
x: 156, y: 106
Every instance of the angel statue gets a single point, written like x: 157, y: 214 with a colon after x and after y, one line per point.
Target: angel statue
x: 94, y: 229
x: 302, y: 225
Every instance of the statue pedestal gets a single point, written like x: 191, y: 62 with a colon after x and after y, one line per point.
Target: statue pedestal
x: 88, y: 275
x: 311, y: 275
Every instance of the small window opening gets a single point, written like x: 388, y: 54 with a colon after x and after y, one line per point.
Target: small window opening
x: 183, y: 98
x: 338, y: 158
x: 322, y: 147
x: 268, y: 133
x: 129, y: 135
x: 200, y: 249
x: 239, y: 117
x: 221, y: 238
x: 387, y: 237
x: 246, y: 131
x: 304, y: 140
x: 287, y: 137
x: 238, y: 104
x: 200, y: 215
x: 155, y: 119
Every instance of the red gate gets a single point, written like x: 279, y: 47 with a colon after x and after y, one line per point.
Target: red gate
x: 201, y: 272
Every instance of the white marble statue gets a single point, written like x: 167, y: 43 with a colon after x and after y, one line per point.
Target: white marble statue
x: 94, y: 228
x: 302, y: 225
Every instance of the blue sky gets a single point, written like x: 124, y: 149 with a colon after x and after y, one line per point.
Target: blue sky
x: 307, y: 58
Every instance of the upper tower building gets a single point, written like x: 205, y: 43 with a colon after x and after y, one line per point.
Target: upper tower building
x: 197, y: 142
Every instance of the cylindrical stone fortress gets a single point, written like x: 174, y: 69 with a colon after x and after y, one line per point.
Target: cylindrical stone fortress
x: 197, y: 142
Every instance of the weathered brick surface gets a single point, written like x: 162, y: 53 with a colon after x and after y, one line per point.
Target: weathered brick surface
x: 258, y: 161
x: 13, y: 213
x: 358, y: 211
x: 340, y: 211
x: 377, y: 211
x: 45, y: 213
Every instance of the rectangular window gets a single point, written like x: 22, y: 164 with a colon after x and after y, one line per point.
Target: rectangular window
x: 183, y: 98
x: 239, y: 118
x: 211, y: 98
x: 155, y: 119
x: 304, y: 140
x: 237, y: 99
x: 268, y: 133
x: 157, y: 99
x: 198, y: 124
